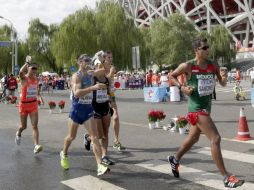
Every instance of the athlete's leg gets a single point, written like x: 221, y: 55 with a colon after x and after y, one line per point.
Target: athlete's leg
x: 93, y: 132
x: 104, y: 141
x: 23, y: 126
x: 34, y: 123
x: 73, y: 128
x: 207, y: 126
x: 116, y: 124
x: 192, y: 138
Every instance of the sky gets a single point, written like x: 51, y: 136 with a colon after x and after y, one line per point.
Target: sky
x: 20, y: 12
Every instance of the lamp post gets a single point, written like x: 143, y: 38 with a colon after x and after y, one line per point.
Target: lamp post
x: 14, y: 51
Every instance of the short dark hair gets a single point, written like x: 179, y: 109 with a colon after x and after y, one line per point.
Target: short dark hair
x: 84, y: 57
x: 198, y: 43
x: 106, y: 53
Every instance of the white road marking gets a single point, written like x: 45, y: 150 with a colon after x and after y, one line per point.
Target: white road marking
x: 90, y: 183
x: 237, y: 156
x: 194, y: 175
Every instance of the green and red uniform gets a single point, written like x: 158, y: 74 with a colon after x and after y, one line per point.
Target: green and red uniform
x: 202, y: 81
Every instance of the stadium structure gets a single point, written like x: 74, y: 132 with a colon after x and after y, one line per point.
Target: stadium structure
x: 235, y: 15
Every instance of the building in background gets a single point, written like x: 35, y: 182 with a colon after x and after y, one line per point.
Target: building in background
x: 235, y: 15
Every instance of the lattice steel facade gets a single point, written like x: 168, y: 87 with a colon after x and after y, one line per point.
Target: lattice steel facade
x: 235, y: 15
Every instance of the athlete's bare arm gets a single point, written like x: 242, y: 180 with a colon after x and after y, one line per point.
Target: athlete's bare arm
x: 97, y: 72
x: 76, y: 87
x: 183, y: 68
x: 23, y: 71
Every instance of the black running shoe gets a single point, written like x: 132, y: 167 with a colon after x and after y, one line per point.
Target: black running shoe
x: 174, y: 166
x: 107, y: 161
x: 87, y: 142
x: 233, y: 182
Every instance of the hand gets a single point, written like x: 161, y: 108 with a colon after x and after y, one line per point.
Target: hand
x: 112, y: 70
x: 28, y: 59
x: 187, y: 90
x: 99, y: 86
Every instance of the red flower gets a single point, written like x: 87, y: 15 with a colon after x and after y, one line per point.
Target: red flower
x: 52, y: 104
x: 61, y: 104
x: 181, y: 121
x: 155, y: 115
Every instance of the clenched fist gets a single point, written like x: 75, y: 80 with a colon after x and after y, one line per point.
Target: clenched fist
x: 187, y: 90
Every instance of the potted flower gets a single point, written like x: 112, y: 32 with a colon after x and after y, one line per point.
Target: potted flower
x: 152, y: 117
x: 61, y: 105
x: 160, y: 116
x: 182, y: 124
x: 52, y: 105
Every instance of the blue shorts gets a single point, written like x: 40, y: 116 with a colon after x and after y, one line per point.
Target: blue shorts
x: 80, y: 113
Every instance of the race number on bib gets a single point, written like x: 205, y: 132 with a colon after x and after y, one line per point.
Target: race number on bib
x: 101, y: 96
x: 87, y: 99
x: 205, y: 86
x: 31, y: 92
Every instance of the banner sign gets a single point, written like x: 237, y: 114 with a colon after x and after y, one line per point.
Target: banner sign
x: 252, y: 97
x: 5, y: 44
x: 154, y: 94
x: 136, y: 83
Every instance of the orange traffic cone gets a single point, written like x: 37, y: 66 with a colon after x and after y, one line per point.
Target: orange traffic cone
x: 243, y: 133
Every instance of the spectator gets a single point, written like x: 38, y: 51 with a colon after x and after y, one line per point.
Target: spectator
x: 252, y: 78
x: 164, y: 80
x: 11, y: 85
x: 155, y: 79
x: 149, y: 78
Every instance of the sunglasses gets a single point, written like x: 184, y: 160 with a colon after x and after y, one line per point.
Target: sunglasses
x: 204, y: 48
x: 87, y: 60
x: 85, y: 57
x: 34, y: 68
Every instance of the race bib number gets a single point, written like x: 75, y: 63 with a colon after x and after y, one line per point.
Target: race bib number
x: 31, y: 92
x: 205, y: 86
x: 101, y: 96
x: 87, y: 99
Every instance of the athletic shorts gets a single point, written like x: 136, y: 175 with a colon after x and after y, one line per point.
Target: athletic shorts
x: 101, y: 110
x: 80, y: 113
x: 193, y: 116
x: 27, y: 108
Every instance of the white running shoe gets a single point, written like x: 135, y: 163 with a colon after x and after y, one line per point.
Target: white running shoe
x: 37, y: 148
x: 17, y: 139
x: 102, y: 169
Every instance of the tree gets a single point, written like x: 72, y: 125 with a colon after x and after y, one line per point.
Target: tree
x: 23, y: 51
x: 88, y: 31
x: 117, y: 33
x: 39, y: 41
x: 221, y: 42
x: 145, y: 50
x: 5, y: 52
x: 171, y: 40
x: 76, y: 35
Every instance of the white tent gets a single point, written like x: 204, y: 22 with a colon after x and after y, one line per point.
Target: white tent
x: 46, y: 73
